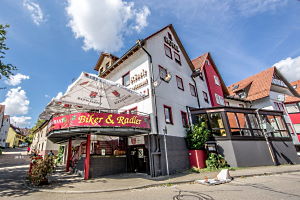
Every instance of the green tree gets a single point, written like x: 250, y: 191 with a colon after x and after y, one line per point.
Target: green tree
x: 6, y: 70
x: 29, y: 137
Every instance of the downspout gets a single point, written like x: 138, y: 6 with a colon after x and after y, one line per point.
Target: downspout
x: 140, y: 43
x: 198, y: 101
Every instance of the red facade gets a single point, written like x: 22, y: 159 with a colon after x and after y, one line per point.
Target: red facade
x: 213, y: 88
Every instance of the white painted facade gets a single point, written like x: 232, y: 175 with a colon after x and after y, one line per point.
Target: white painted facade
x: 166, y: 93
x: 5, y: 122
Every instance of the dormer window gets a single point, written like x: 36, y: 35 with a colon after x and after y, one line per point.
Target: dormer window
x: 242, y: 94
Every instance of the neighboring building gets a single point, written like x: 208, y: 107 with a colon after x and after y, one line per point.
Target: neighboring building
x: 4, y: 125
x: 14, y: 137
x: 266, y: 90
x: 293, y: 108
x: 40, y: 142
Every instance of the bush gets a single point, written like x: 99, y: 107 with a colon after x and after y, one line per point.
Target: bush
x: 60, y: 155
x: 41, y: 169
x: 197, y: 136
x: 216, y: 161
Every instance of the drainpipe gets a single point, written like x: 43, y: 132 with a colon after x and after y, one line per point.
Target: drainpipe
x: 140, y: 43
x: 266, y: 137
x: 198, y: 101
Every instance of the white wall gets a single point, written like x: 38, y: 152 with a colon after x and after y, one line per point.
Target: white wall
x: 4, y: 131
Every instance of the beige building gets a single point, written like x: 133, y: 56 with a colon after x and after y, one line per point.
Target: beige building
x: 14, y: 137
x: 40, y: 143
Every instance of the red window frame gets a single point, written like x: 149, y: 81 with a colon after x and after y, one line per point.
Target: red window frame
x: 181, y: 87
x: 184, y: 118
x: 177, y: 60
x: 123, y: 83
x: 161, y: 68
x: 169, y: 49
x: 193, y: 89
x: 205, y: 96
x: 169, y: 108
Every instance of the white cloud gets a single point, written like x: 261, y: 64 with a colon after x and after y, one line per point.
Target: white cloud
x: 16, y: 79
x: 59, y: 95
x: 47, y: 96
x: 103, y: 24
x: 35, y: 10
x: 21, y: 121
x: 290, y: 68
x: 16, y: 102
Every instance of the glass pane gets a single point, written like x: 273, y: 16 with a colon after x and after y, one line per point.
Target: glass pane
x: 202, y: 118
x: 284, y: 134
x: 232, y: 120
x: 236, y: 132
x: 219, y: 132
x: 253, y: 121
x: 258, y: 133
x: 242, y: 120
x: 167, y: 115
x: 216, y: 120
x: 280, y: 122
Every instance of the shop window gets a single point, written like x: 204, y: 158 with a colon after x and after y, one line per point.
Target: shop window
x: 205, y: 96
x: 179, y: 83
x: 168, y: 51
x: 184, y: 118
x: 168, y: 114
x: 126, y: 79
x: 162, y: 72
x: 238, y: 124
x: 217, y: 80
x: 193, y: 90
x: 254, y: 122
x: 216, y: 124
x: 177, y: 58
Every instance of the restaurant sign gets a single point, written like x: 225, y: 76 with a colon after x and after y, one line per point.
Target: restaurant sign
x: 99, y: 120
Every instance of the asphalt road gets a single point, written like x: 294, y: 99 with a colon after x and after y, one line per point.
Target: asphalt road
x: 284, y: 186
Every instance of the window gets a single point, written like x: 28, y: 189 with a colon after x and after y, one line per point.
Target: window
x: 201, y: 76
x: 219, y: 99
x: 207, y: 62
x: 291, y: 130
x: 193, y: 90
x: 216, y: 123
x: 133, y: 110
x: 241, y: 105
x: 162, y: 72
x: 238, y: 124
x: 177, y: 58
x: 126, y: 79
x: 217, y: 81
x: 168, y: 114
x: 184, y: 119
x: 227, y: 103
x: 255, y: 125
x: 179, y: 83
x: 295, y: 86
x: 205, y: 96
x: 170, y: 36
x: 168, y: 51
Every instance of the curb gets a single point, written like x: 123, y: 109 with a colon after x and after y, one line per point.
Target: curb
x: 147, y: 186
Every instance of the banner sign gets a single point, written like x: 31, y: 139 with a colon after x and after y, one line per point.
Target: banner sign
x: 99, y: 120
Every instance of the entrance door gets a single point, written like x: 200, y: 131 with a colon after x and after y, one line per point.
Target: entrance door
x: 138, y: 159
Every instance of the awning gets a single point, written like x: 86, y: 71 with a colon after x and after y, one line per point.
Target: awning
x: 91, y: 92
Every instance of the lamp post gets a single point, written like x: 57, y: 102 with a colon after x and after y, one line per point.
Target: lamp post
x: 266, y: 137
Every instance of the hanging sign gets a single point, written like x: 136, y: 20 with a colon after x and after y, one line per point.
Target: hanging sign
x: 99, y: 120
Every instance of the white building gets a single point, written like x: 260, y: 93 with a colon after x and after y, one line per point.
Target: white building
x: 159, y: 67
x: 4, y: 126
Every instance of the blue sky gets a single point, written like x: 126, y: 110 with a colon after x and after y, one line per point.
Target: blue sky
x: 52, y: 41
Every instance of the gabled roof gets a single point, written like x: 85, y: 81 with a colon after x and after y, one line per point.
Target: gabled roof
x: 290, y: 99
x: 297, y: 84
x: 136, y: 47
x: 199, y: 64
x: 260, y: 85
x: 102, y: 56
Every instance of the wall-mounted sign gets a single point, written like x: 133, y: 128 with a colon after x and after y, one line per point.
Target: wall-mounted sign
x: 136, y: 140
x: 171, y: 43
x: 139, y: 81
x: 99, y: 120
x: 139, y: 76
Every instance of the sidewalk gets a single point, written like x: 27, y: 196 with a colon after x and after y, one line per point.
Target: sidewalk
x: 61, y: 182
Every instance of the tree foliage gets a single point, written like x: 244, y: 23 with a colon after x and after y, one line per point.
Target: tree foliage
x: 197, y: 136
x: 29, y: 137
x: 6, y: 70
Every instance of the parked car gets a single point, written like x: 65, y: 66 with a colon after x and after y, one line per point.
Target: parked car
x: 25, y: 144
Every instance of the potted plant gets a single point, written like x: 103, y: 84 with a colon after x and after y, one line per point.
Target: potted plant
x: 196, y: 138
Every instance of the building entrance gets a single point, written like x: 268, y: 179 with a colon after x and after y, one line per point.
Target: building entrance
x: 138, y: 159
